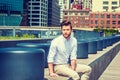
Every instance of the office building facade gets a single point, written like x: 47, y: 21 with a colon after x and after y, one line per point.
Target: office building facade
x: 53, y: 13
x: 38, y: 12
x: 87, y: 4
x: 78, y: 18
x: 64, y: 5
x: 105, y: 5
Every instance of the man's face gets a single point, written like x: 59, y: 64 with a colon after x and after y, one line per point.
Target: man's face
x: 66, y: 31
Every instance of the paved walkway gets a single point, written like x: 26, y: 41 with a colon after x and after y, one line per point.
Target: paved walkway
x: 112, y: 72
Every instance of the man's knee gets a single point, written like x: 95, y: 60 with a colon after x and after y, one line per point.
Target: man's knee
x: 75, y: 76
x: 89, y: 69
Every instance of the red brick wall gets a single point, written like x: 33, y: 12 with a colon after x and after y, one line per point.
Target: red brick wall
x: 104, y: 22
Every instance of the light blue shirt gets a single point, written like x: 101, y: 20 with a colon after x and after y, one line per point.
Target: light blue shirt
x: 61, y: 50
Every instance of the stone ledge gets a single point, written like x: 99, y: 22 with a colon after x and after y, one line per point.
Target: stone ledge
x: 98, y: 62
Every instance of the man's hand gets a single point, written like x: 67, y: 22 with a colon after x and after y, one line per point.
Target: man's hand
x: 51, y: 70
x: 53, y: 75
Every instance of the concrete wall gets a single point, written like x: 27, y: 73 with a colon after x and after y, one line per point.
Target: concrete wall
x: 101, y: 63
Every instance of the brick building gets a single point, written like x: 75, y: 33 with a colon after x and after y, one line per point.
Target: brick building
x: 104, y: 19
x: 78, y: 18
x: 77, y: 6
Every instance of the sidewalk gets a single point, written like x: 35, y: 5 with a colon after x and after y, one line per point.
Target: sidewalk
x: 112, y: 72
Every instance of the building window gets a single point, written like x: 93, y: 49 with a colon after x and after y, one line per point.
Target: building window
x: 36, y: 7
x: 96, y: 26
x: 65, y: 7
x: 113, y: 27
x: 76, y: 13
x: 108, y: 16
x: 119, y: 16
x: 70, y: 13
x: 113, y: 16
x: 35, y: 11
x: 91, y: 26
x: 113, y: 22
x: 96, y: 16
x: 105, y: 2
x: 64, y: 1
x: 35, y: 3
x: 35, y: 24
x: 102, y: 15
x: 86, y: 13
x: 108, y: 22
x: 35, y: 15
x: 114, y: 3
x: 108, y: 27
x: 105, y: 7
x: 114, y: 7
x: 102, y: 26
x: 96, y: 22
x: 81, y: 13
x: 118, y: 22
x: 35, y: 19
x: 65, y: 13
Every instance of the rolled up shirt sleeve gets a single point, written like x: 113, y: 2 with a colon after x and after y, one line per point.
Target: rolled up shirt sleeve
x: 74, y: 50
x: 52, y: 52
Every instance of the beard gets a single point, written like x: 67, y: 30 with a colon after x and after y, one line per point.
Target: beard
x: 67, y: 35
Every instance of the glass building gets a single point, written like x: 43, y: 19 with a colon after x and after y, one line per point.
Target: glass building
x: 11, y: 6
x: 23, y: 12
x: 11, y: 12
x: 53, y: 13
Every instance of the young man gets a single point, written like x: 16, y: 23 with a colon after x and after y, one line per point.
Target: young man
x: 62, y: 56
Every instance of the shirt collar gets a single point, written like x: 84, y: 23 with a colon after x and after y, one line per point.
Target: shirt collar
x: 66, y: 39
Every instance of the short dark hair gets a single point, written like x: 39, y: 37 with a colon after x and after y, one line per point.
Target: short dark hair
x: 66, y: 23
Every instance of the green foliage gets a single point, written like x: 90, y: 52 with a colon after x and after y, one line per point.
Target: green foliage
x: 24, y: 36
x: 97, y: 29
x: 108, y: 32
x: 28, y: 36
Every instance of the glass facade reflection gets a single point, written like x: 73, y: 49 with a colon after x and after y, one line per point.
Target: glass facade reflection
x: 53, y: 13
x: 11, y: 12
x: 11, y: 6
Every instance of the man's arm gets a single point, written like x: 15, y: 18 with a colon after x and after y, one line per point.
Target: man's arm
x: 74, y: 55
x: 51, y: 55
x: 51, y: 70
x: 73, y: 64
